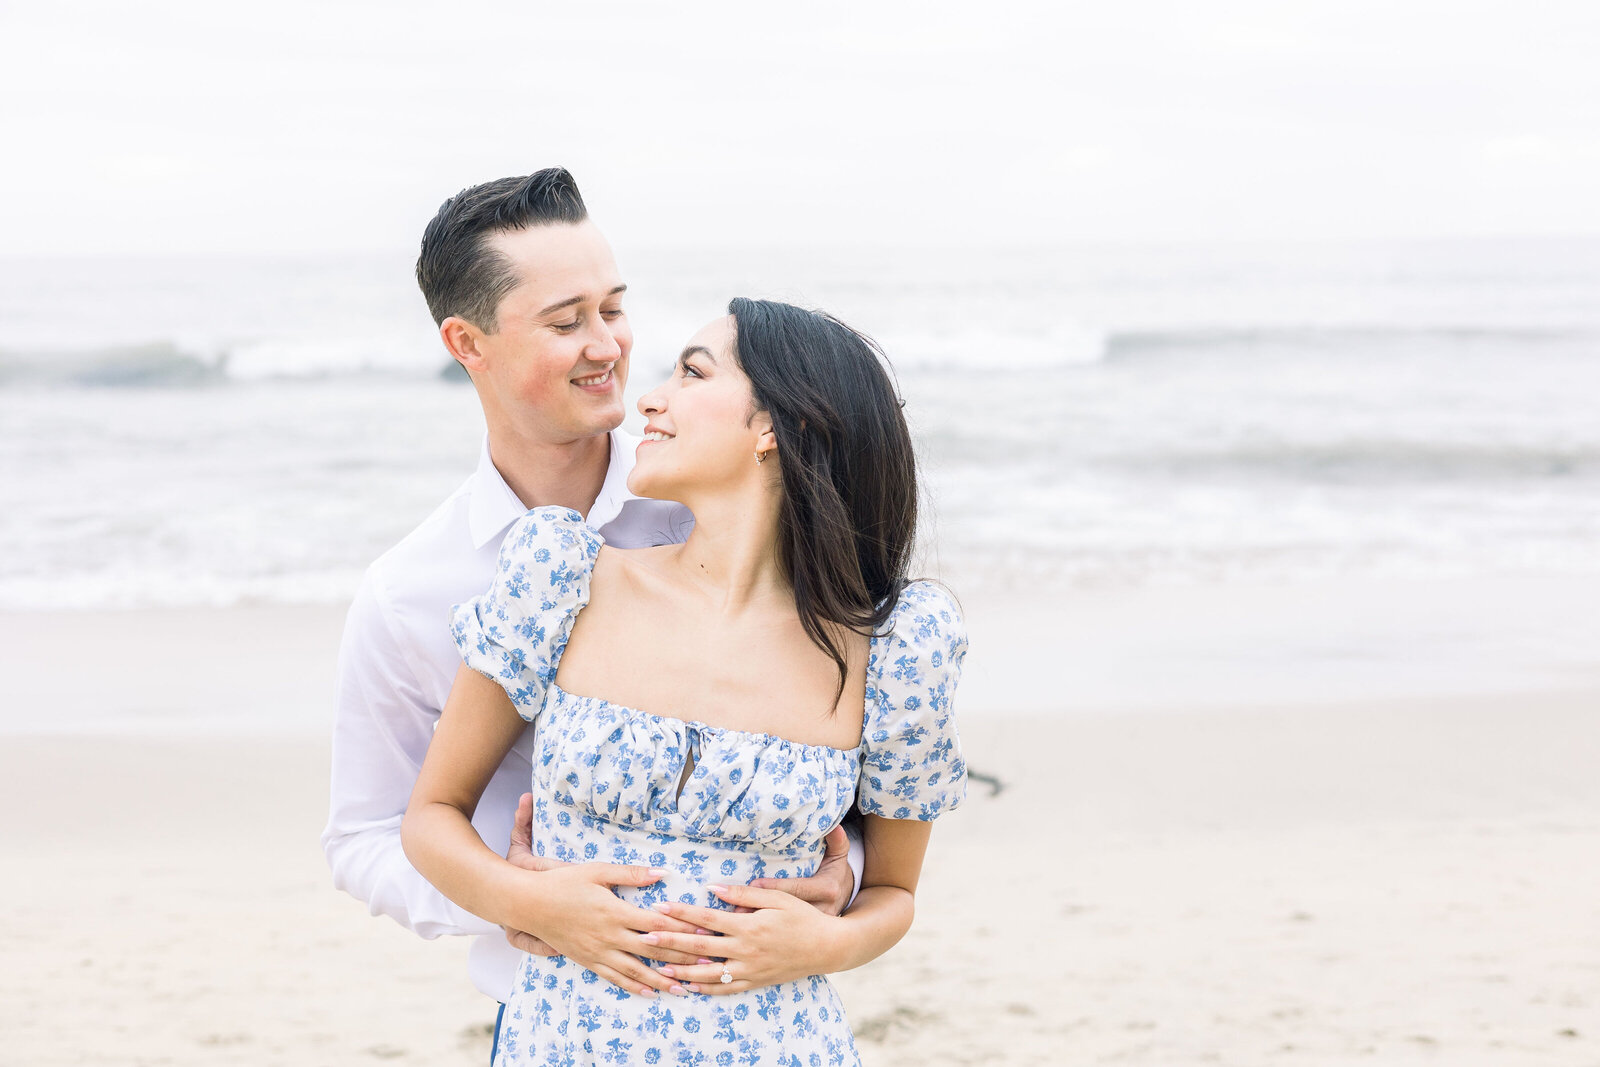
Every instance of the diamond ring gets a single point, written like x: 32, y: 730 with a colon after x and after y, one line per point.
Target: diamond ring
x: 726, y: 977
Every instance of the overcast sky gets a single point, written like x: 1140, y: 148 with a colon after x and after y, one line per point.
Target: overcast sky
x: 321, y: 126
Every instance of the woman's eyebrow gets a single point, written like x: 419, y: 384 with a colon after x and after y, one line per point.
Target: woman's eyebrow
x: 695, y: 350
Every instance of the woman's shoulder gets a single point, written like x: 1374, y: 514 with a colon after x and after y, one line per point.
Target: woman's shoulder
x: 923, y: 642
x: 926, y: 594
x: 515, y: 632
x: 548, y: 557
x: 552, y: 530
x: 926, y: 614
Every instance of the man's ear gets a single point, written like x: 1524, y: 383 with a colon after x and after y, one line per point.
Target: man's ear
x: 460, y: 339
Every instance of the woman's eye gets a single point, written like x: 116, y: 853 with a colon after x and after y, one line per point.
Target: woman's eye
x: 690, y: 372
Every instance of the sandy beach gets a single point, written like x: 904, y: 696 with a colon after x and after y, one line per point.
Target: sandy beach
x: 1195, y: 865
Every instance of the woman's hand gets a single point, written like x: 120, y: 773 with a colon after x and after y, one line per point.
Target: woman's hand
x: 779, y: 939
x: 574, y: 911
x: 521, y: 854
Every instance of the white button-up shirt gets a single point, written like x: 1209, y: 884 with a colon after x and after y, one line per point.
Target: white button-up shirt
x: 396, y: 665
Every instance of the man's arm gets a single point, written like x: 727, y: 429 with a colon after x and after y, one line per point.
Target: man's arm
x: 382, y: 727
x: 833, y: 888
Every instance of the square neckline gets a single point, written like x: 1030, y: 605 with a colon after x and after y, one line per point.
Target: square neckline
x: 758, y: 735
x: 706, y: 727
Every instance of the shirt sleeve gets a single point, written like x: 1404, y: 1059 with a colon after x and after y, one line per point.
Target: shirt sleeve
x: 911, y: 766
x: 856, y: 858
x: 514, y: 634
x: 382, y: 727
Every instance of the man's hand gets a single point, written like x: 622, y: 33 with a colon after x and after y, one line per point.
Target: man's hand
x: 829, y: 889
x: 521, y: 854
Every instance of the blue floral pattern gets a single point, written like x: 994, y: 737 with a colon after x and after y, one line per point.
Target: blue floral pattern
x: 606, y: 788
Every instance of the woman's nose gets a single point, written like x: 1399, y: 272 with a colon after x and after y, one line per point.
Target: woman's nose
x: 651, y: 403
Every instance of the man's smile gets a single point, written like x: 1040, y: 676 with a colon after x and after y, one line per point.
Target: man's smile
x: 596, y: 382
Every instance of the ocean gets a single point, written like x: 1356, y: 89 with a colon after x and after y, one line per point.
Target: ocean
x: 255, y: 430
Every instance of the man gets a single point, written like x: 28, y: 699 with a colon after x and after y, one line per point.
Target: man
x: 529, y: 301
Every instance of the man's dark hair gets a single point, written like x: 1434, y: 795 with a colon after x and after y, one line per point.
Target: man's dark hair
x: 457, y: 270
x: 849, y: 510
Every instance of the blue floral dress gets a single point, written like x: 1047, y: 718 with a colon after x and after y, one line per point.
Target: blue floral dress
x: 606, y: 788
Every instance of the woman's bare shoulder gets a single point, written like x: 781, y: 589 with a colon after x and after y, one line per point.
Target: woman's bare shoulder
x: 630, y: 572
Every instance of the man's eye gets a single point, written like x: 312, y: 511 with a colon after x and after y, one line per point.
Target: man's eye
x: 566, y: 326
x: 613, y: 313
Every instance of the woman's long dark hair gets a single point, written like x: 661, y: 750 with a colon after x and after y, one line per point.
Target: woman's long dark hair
x: 849, y: 511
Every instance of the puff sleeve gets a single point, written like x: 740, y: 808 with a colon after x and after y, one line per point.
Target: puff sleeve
x: 911, y: 766
x: 515, y: 633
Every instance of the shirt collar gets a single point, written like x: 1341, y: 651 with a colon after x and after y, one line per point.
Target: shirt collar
x: 614, y: 493
x: 494, y: 506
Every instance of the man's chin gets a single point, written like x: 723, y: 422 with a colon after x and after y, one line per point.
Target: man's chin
x: 596, y: 423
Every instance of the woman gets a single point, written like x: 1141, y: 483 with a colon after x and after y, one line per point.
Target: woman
x: 738, y: 693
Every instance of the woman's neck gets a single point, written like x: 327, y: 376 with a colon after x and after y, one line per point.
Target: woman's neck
x: 732, y: 554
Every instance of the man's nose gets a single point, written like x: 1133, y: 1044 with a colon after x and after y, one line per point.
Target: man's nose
x: 604, y: 346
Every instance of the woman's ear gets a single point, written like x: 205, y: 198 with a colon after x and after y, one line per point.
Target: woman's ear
x: 766, y: 438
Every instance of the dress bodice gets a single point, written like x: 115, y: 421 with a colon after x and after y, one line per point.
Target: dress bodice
x: 626, y: 766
